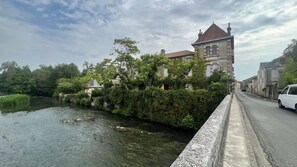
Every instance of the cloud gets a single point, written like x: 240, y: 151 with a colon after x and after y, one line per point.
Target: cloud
x: 59, y: 31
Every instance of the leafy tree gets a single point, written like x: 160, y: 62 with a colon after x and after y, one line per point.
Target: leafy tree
x: 88, y: 67
x: 106, y: 69
x: 289, y: 75
x: 125, y: 50
x: 44, y: 86
x: 15, y: 79
x: 148, y: 66
x: 198, y: 79
x: 291, y: 50
x: 65, y: 71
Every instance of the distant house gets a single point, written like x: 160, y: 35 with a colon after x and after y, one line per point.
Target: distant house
x: 250, y: 84
x: 269, y: 74
x: 92, y: 85
x: 217, y: 47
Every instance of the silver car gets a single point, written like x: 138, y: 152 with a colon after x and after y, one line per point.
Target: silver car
x: 288, y: 97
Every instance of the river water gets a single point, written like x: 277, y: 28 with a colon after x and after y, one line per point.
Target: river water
x: 52, y: 135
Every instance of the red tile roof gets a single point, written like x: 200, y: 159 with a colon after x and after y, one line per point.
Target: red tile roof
x: 213, y: 32
x: 179, y: 54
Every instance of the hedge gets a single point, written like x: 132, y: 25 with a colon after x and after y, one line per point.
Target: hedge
x: 179, y: 108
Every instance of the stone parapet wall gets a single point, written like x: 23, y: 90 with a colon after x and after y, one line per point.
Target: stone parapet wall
x: 204, y: 149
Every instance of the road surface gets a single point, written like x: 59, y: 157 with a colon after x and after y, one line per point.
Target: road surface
x: 275, y: 128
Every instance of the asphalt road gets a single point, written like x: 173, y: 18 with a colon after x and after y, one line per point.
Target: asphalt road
x: 275, y: 128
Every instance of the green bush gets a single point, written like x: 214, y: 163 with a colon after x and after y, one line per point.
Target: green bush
x: 81, y: 95
x: 180, y: 108
x: 188, y: 121
x: 67, y: 98
x: 155, y: 104
x: 97, y: 92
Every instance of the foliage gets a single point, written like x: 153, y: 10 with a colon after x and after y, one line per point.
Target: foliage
x: 169, y: 107
x: 125, y: 50
x: 14, y: 100
x: 289, y: 75
x: 188, y: 122
x: 218, y: 90
x: 15, y: 79
x: 291, y: 50
x: 148, y: 66
x: 44, y: 82
x: 178, y: 72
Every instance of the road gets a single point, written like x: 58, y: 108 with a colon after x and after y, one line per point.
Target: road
x: 275, y: 128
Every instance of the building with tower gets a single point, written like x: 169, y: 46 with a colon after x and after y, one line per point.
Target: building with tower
x: 216, y: 46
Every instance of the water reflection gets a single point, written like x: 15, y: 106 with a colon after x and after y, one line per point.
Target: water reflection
x: 64, y: 136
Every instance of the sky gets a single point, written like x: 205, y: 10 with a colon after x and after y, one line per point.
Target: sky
x: 51, y: 32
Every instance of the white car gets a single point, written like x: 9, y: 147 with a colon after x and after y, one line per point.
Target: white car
x: 288, y: 97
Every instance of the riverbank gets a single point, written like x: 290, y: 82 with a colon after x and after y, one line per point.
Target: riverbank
x: 178, y: 108
x: 14, y: 102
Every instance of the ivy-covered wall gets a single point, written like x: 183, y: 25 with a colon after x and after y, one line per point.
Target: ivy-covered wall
x: 179, y: 108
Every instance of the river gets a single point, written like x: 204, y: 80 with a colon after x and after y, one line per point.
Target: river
x: 48, y: 134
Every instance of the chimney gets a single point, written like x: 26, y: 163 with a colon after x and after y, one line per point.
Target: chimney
x: 200, y: 34
x: 229, y: 29
x: 162, y: 51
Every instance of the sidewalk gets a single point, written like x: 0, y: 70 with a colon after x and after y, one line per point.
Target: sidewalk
x: 235, y: 151
x: 241, y: 147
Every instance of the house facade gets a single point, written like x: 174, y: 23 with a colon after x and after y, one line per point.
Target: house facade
x: 216, y: 46
x: 269, y: 75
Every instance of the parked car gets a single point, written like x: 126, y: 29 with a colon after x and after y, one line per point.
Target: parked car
x: 288, y: 97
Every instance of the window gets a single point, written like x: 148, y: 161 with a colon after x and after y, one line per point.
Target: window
x: 293, y: 91
x: 215, y: 67
x: 208, y: 70
x: 207, y: 50
x: 285, y: 91
x: 214, y: 49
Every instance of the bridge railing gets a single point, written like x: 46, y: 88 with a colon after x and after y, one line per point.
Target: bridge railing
x: 205, y: 147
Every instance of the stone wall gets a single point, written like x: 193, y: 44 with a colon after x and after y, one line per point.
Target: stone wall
x: 204, y: 149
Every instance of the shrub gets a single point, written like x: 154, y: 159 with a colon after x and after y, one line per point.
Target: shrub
x: 188, y: 122
x: 67, y: 98
x: 81, y: 95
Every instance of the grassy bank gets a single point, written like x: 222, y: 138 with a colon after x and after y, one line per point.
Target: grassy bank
x: 14, y: 101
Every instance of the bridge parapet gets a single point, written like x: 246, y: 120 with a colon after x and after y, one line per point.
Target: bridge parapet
x: 205, y: 148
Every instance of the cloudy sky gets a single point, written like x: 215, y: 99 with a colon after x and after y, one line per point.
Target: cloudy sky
x: 50, y: 32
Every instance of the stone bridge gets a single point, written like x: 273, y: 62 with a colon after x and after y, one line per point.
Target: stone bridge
x: 225, y: 139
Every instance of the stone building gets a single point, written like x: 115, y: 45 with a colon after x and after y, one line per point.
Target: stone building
x: 268, y: 77
x: 217, y: 47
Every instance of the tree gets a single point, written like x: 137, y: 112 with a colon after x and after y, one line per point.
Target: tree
x: 178, y: 72
x: 289, y: 75
x: 15, y: 79
x: 106, y: 69
x: 148, y: 66
x: 198, y: 79
x: 291, y: 50
x: 44, y: 86
x: 88, y: 67
x: 125, y: 50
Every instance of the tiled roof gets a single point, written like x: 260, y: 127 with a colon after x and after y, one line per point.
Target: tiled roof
x: 278, y: 62
x: 179, y: 54
x: 213, y: 32
x: 92, y: 84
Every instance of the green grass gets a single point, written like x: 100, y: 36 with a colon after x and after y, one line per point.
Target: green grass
x: 14, y: 101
